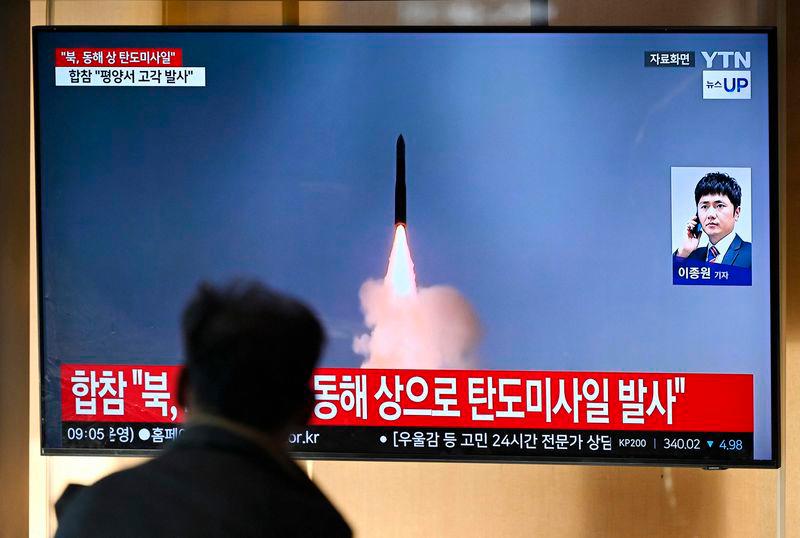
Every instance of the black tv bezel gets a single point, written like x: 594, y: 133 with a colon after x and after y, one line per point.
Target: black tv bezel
x: 774, y: 220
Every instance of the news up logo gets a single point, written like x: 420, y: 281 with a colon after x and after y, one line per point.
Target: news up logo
x: 729, y: 82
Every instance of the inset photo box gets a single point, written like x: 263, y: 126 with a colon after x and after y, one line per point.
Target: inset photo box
x: 711, y: 226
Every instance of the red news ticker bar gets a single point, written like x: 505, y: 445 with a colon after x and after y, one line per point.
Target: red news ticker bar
x: 702, y: 402
x: 119, y: 57
x: 706, y: 402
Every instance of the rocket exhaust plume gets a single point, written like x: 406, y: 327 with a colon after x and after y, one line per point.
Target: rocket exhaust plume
x: 410, y: 326
x: 400, y: 275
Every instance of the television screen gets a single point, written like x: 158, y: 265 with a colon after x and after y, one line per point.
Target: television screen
x: 539, y: 246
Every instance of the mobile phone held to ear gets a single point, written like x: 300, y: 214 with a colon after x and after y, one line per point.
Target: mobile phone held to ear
x: 698, y: 228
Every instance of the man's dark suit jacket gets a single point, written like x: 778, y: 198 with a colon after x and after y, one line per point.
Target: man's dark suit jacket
x: 738, y: 255
x: 210, y: 482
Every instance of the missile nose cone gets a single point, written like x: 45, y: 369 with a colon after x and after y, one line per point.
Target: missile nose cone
x: 400, y: 183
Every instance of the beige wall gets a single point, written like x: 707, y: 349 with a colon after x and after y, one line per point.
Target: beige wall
x: 430, y: 499
x: 790, y: 130
x: 242, y: 12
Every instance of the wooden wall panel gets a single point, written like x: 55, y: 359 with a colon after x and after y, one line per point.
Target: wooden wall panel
x: 220, y: 12
x: 675, y: 13
x: 38, y: 501
x: 138, y: 12
x: 561, y: 12
x: 790, y: 127
x: 421, y: 12
x: 474, y: 500
x: 14, y: 162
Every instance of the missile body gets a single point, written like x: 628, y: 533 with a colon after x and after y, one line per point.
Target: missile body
x: 400, y: 183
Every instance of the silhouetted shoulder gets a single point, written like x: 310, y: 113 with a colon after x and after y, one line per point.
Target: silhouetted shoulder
x: 212, y: 483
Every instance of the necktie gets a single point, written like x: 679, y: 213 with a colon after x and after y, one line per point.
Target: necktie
x: 713, y: 252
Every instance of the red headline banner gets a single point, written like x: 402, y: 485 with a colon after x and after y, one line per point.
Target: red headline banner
x: 117, y: 393
x: 447, y: 398
x: 535, y: 400
x: 119, y: 57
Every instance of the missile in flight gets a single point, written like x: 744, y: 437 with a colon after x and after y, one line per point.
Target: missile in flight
x: 400, y: 183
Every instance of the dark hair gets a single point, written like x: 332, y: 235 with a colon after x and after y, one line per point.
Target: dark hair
x: 250, y: 352
x: 718, y: 183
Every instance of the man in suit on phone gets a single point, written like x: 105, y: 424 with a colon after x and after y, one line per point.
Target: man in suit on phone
x: 718, y: 198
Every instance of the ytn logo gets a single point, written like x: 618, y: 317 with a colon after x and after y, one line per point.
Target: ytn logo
x: 726, y: 84
x: 740, y: 61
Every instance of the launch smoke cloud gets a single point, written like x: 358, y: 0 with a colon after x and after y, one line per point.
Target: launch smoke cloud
x: 434, y: 328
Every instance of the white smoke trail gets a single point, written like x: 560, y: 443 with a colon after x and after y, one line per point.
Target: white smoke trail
x: 434, y: 328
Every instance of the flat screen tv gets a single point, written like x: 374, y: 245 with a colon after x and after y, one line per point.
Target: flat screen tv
x: 550, y: 245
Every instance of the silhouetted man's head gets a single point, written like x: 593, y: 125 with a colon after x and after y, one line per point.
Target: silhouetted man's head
x: 249, y: 355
